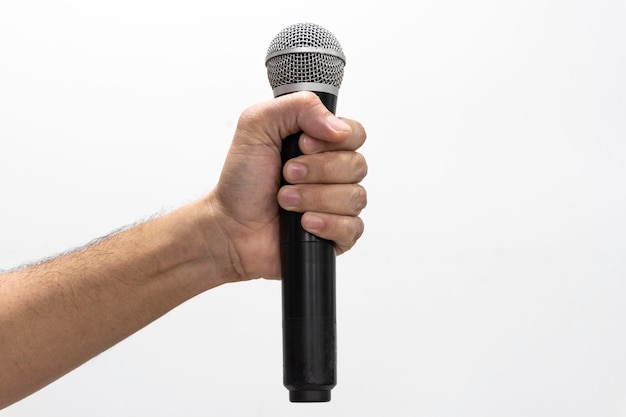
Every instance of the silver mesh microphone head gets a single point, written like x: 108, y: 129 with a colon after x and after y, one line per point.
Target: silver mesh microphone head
x: 305, y: 57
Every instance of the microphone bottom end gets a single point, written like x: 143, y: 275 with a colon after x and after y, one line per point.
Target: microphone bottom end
x: 320, y: 396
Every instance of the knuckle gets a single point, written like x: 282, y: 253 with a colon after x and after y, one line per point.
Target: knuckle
x: 360, y: 133
x: 251, y: 116
x: 353, y: 228
x: 361, y: 167
x: 357, y: 230
x: 359, y: 198
x: 360, y: 229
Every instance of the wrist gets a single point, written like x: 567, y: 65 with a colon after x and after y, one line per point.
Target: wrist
x: 217, y: 250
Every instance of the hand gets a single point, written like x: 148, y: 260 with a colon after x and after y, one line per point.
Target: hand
x: 62, y: 312
x: 325, y: 181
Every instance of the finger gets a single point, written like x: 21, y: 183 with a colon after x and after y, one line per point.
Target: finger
x: 340, y: 167
x: 343, y: 230
x: 309, y: 144
x: 276, y: 119
x: 341, y: 199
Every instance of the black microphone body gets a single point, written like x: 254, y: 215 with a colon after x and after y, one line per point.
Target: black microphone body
x: 308, y: 294
x: 306, y: 57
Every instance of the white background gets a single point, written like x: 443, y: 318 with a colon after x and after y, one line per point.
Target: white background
x: 491, y: 280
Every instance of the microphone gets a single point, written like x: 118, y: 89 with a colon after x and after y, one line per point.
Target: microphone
x: 306, y: 57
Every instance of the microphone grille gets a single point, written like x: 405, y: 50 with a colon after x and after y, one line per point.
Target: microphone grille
x: 305, y: 53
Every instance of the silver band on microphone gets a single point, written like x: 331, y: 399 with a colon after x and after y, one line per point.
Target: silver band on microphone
x: 316, y: 87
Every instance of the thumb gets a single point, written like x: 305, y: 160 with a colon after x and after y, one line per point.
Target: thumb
x: 276, y: 119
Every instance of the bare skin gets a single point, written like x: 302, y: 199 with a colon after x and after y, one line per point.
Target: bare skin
x: 58, y: 314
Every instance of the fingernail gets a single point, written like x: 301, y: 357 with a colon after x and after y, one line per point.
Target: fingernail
x: 313, y: 222
x: 295, y: 171
x: 312, y: 145
x: 289, y: 198
x: 337, y: 124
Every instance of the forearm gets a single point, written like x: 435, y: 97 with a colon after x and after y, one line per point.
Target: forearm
x: 59, y: 314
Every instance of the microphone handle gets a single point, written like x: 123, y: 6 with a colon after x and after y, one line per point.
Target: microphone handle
x: 308, y: 295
